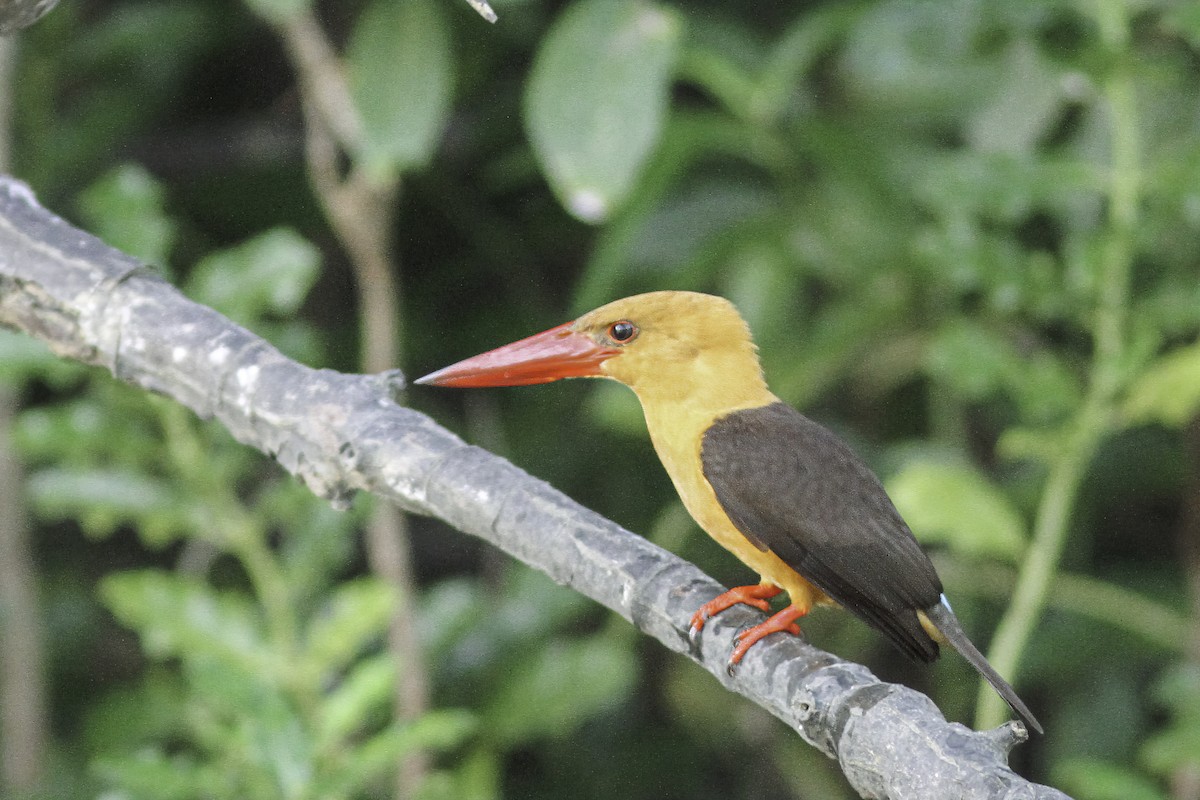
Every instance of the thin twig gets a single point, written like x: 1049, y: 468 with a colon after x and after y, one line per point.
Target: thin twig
x: 24, y: 712
x: 1185, y: 778
x: 320, y: 74
x: 24, y: 720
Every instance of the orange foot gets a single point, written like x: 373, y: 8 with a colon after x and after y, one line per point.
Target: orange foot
x: 781, y: 622
x: 756, y: 596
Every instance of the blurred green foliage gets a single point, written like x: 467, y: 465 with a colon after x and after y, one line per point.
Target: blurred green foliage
x: 403, y: 105
x: 964, y: 232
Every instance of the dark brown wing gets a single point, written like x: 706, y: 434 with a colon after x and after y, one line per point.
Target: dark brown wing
x: 795, y: 487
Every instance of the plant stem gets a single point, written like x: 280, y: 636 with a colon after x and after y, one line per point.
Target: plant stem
x: 1037, y: 571
x: 228, y: 526
x: 24, y: 712
x: 1096, y: 599
x: 24, y: 704
x: 360, y: 208
x: 1096, y: 417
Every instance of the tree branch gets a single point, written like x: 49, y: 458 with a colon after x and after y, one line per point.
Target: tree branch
x: 344, y: 433
x: 18, y: 14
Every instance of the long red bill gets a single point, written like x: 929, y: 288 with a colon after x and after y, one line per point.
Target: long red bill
x: 547, y: 356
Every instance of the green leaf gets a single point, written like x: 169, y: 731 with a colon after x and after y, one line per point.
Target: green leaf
x: 1025, y: 101
x: 1101, y: 780
x: 434, y: 730
x: 134, y: 715
x: 356, y: 614
x: 367, y: 687
x: 320, y: 541
x: 1003, y: 185
x: 978, y: 362
x: 254, y: 721
x: 462, y: 621
x: 955, y: 504
x: 531, y: 606
x: 969, y: 358
x: 1044, y: 388
x: 269, y: 274
x: 182, y: 617
x: 227, y: 694
x: 278, y: 9
x: 477, y: 775
x: 126, y: 208
x: 559, y: 687
x: 691, y: 223
x: 448, y: 613
x: 596, y: 99
x: 53, y: 433
x: 102, y: 499
x: 399, y: 64
x: 1177, y: 746
x: 1168, y: 392
x: 800, y: 46
x: 440, y: 729
x: 1184, y: 20
x: 1179, y: 689
x: 1024, y: 442
x: 153, y: 775
x: 22, y: 357
x: 612, y: 406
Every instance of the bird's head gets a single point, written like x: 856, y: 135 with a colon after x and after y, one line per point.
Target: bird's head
x: 666, y: 346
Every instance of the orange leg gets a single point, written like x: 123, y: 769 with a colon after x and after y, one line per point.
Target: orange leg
x: 756, y: 596
x: 781, y: 622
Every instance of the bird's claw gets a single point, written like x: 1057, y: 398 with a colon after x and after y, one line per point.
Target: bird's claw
x: 781, y: 622
x: 756, y: 596
x: 694, y: 635
x: 698, y: 621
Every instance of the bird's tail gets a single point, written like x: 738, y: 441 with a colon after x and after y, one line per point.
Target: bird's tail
x: 942, y: 618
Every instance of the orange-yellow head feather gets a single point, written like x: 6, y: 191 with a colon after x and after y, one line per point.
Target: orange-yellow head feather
x: 677, y: 347
x: 669, y: 347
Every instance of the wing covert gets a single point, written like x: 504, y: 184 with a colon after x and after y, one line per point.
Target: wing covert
x: 792, y: 485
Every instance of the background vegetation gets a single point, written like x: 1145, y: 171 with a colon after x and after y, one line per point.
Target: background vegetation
x: 965, y: 233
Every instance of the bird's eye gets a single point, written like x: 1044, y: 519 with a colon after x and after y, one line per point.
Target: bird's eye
x: 622, y: 331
